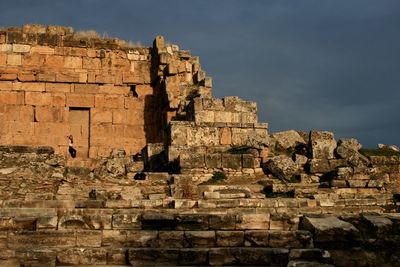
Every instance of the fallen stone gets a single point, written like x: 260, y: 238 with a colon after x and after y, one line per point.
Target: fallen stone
x: 322, y: 145
x: 287, y: 139
x: 282, y: 167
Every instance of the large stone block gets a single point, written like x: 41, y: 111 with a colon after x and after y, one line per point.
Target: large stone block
x: 230, y: 238
x: 323, y: 145
x: 287, y: 139
x: 82, y: 256
x: 80, y: 100
x: 12, y: 98
x: 253, y: 221
x: 231, y: 161
x: 329, y: 229
x: 200, y: 238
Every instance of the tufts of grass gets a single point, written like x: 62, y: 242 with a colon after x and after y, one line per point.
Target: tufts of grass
x: 379, y: 152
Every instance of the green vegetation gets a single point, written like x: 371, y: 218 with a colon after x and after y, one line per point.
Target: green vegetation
x: 387, y: 152
x: 217, y: 177
x: 239, y: 149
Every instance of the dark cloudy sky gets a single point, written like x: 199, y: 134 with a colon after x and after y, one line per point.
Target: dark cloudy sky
x: 310, y: 64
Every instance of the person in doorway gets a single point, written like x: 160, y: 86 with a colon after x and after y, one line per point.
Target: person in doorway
x: 71, y: 149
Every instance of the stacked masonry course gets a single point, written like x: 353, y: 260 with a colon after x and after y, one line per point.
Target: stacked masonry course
x: 210, y: 186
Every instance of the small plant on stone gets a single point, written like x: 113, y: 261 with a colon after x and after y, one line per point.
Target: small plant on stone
x: 218, y: 177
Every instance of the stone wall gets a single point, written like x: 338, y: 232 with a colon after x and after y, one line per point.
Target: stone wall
x: 54, y: 82
x: 213, y: 134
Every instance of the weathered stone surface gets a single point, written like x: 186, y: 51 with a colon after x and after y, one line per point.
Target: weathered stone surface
x: 248, y: 256
x: 230, y: 238
x: 83, y: 256
x: 329, y: 229
x: 282, y: 167
x: 322, y: 145
x: 348, y: 152
x: 287, y: 139
x: 197, y: 239
x: 253, y: 221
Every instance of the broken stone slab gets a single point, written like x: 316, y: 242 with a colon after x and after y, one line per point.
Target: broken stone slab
x: 347, y: 151
x: 322, y: 145
x: 377, y: 223
x: 282, y: 167
x: 287, y: 139
x: 329, y: 229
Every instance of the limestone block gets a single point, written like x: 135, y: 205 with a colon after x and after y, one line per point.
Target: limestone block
x: 153, y: 257
x: 249, y: 161
x: 204, y: 116
x: 14, y: 60
x: 377, y: 223
x: 329, y: 229
x: 287, y: 139
x: 231, y: 161
x: 33, y: 60
x: 222, y: 116
x: 26, y: 76
x: 101, y: 115
x: 80, y: 100
x: 38, y: 99
x: 54, y: 61
x: 114, y: 238
x: 12, y: 98
x: 290, y: 239
x: 82, y: 256
x: 187, y: 160
x: 51, y: 114
x: 193, y: 256
x: 43, y: 50
x: 116, y: 90
x: 200, y: 238
x: 3, y: 60
x: 20, y: 48
x: 73, y: 62
x: 248, y: 256
x: 5, y: 86
x: 213, y: 160
x: 58, y: 87
x: 222, y: 222
x: 253, y: 221
x: 225, y: 136
x: 256, y: 238
x: 172, y: 239
x: 109, y: 101
x: 235, y: 104
x: 6, y: 48
x: 143, y: 90
x: 142, y: 238
x: 202, y: 136
x: 88, y: 238
x: 12, y: 77
x: 347, y: 151
x: 323, y: 145
x: 230, y: 238
x: 86, y: 88
x: 48, y: 238
x: 91, y: 63
x: 68, y: 77
x: 33, y: 86
x: 282, y: 167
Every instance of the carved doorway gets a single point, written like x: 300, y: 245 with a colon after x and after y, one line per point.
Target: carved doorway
x: 79, y: 128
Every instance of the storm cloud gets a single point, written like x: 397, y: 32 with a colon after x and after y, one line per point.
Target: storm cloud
x: 327, y: 65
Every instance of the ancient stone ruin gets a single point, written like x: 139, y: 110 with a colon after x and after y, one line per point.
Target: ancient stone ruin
x: 167, y: 175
